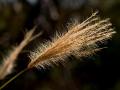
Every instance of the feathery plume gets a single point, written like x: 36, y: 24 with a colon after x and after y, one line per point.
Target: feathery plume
x: 80, y: 40
x: 8, y: 63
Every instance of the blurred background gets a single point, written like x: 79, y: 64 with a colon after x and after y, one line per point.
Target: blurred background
x: 98, y: 72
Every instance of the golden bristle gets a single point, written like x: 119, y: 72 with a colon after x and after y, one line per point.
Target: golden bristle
x: 78, y: 36
x: 9, y: 62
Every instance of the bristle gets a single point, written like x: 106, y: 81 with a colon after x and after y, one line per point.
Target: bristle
x: 9, y: 62
x: 78, y: 36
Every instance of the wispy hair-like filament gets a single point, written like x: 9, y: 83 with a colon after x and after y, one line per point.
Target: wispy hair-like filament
x: 80, y: 40
x: 9, y: 62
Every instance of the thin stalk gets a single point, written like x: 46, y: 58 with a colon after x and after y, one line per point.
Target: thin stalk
x: 13, y: 78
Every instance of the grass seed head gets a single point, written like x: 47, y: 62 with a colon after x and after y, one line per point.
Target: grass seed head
x: 80, y: 35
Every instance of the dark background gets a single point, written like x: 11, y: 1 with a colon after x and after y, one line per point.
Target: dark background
x: 98, y: 72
